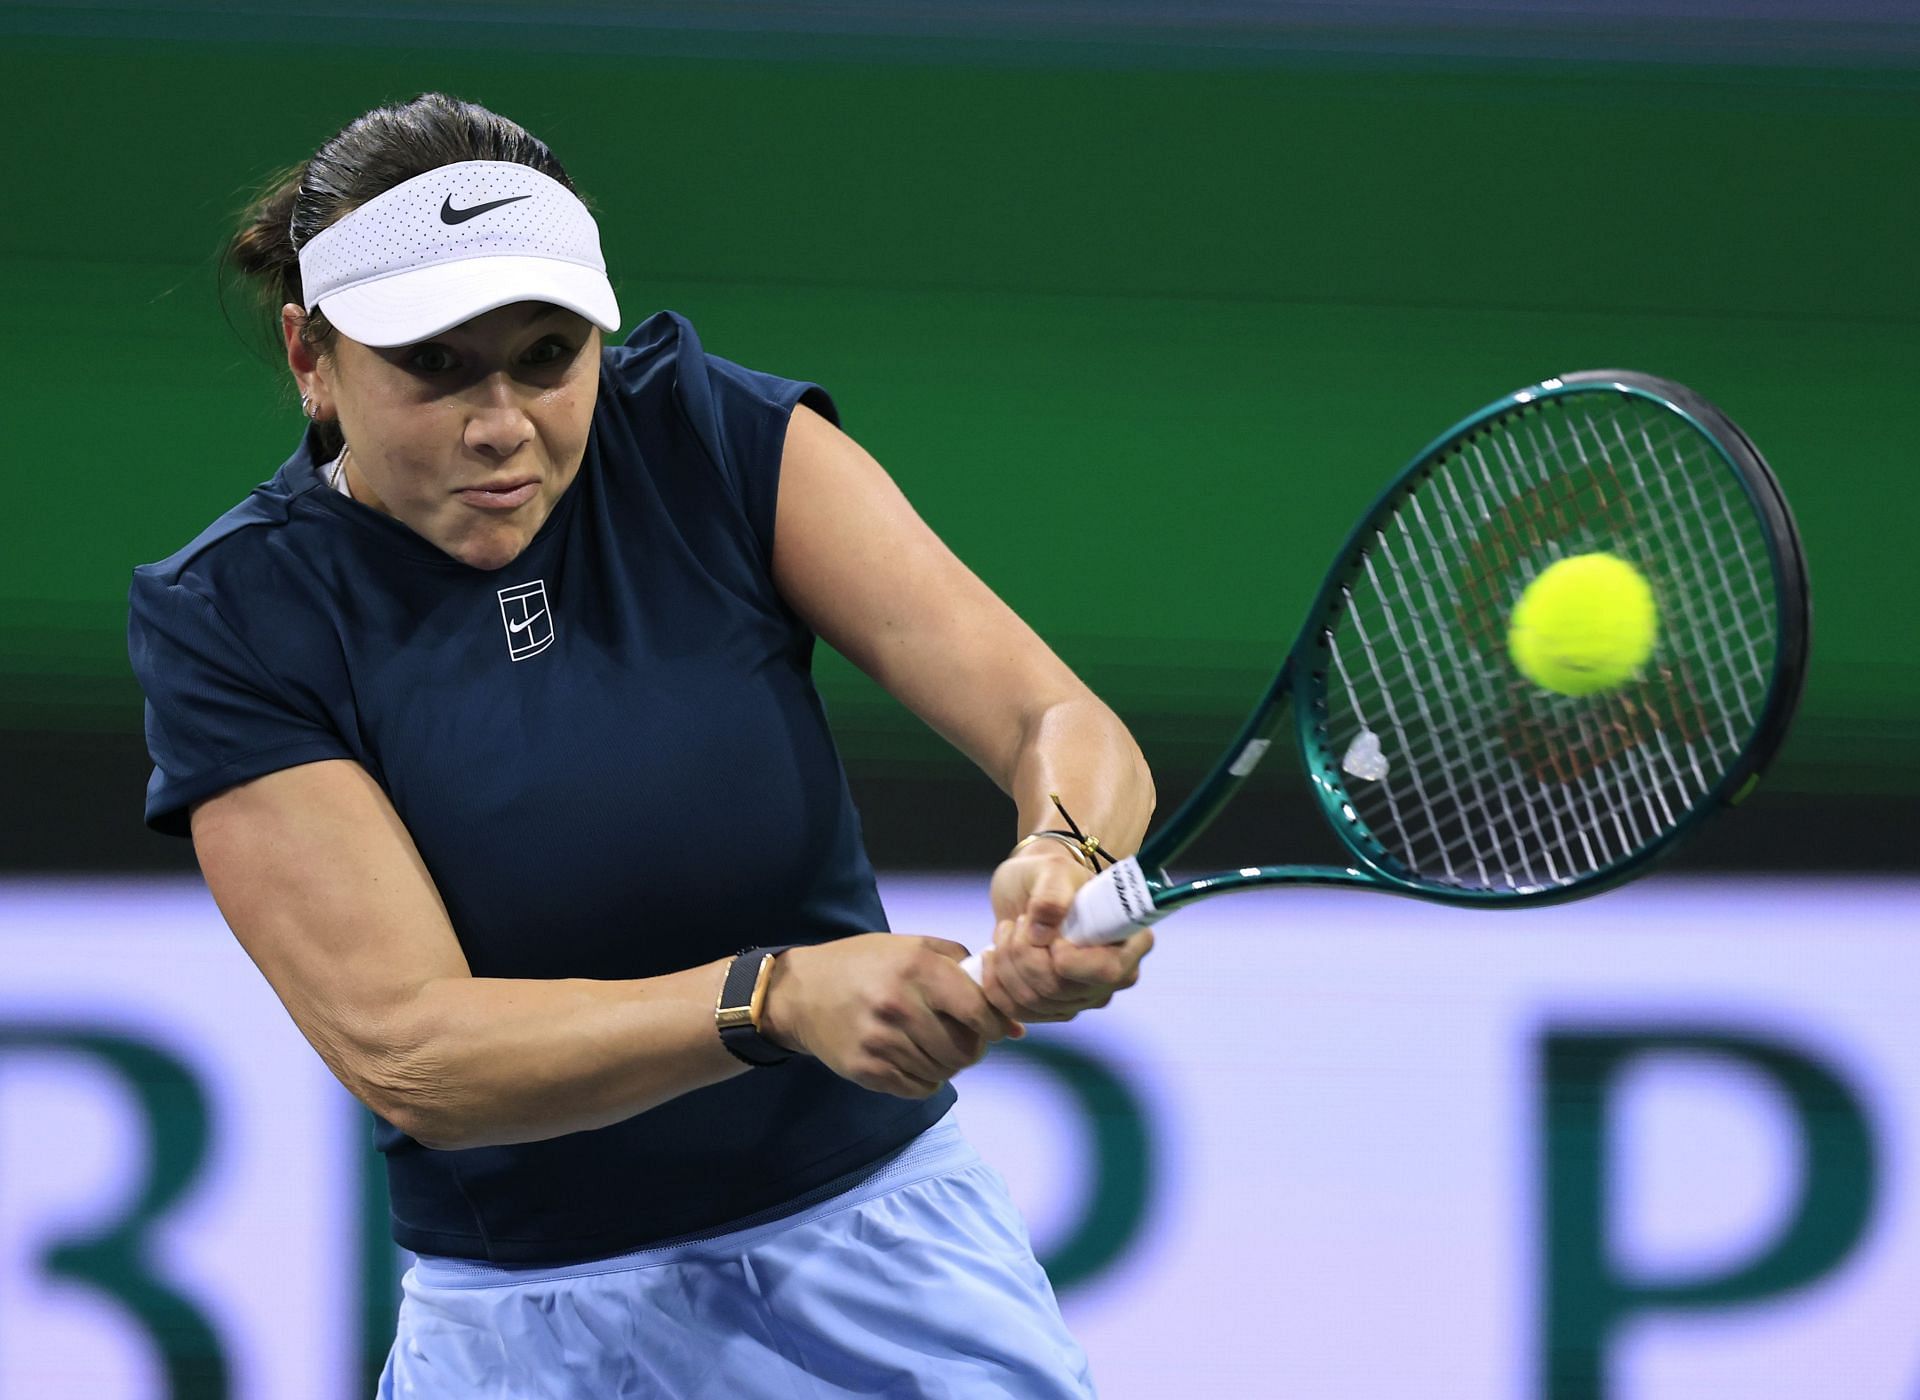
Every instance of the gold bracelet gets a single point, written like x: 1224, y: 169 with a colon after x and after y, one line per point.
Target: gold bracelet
x: 1086, y: 849
x: 1080, y: 852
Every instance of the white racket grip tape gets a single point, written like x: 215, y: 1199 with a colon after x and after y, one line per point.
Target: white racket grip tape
x: 1110, y: 908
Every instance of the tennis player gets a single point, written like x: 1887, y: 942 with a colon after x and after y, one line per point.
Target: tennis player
x: 491, y: 720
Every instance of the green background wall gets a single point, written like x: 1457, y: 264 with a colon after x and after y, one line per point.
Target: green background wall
x: 1138, y: 338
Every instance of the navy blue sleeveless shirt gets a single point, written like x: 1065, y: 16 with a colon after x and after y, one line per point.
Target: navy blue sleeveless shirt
x: 610, y: 754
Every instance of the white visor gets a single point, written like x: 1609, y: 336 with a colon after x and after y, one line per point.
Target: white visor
x: 451, y: 244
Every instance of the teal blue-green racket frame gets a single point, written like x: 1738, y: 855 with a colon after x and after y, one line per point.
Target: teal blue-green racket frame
x: 1301, y: 683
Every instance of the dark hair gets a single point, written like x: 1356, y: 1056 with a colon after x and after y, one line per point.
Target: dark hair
x: 366, y: 158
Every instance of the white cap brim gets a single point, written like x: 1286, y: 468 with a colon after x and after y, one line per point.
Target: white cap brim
x: 419, y: 303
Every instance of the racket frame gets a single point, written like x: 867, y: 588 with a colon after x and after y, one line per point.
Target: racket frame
x: 1303, y: 687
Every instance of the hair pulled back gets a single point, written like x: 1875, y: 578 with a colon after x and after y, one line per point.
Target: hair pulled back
x: 369, y: 156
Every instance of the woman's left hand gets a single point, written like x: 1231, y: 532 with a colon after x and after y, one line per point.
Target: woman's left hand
x: 1033, y: 974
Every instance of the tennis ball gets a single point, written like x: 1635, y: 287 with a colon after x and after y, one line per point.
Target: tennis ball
x: 1584, y: 625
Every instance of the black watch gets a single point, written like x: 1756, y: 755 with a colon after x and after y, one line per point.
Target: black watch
x: 737, y: 1013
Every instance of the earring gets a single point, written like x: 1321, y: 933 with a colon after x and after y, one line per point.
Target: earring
x: 306, y: 407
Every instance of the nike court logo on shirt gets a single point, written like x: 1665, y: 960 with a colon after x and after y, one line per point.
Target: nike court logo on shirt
x: 450, y: 215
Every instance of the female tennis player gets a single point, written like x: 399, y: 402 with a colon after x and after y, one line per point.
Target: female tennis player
x: 491, y: 720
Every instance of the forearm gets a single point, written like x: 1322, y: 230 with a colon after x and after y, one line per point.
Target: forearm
x: 500, y: 1060
x: 1079, y: 749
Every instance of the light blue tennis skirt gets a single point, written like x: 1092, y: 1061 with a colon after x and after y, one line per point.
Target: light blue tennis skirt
x: 917, y: 1280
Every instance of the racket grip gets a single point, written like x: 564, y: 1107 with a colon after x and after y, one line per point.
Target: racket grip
x: 1112, y: 906
x: 1109, y: 908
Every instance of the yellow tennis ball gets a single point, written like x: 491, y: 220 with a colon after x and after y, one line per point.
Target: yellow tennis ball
x: 1584, y: 625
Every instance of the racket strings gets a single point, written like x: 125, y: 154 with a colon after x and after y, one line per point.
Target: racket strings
x: 1482, y: 820
x: 1489, y: 781
x: 1558, y: 753
x: 1650, y: 797
x: 1494, y: 830
x: 1508, y: 829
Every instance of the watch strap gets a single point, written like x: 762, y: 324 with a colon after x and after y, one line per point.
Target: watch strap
x: 737, y: 1013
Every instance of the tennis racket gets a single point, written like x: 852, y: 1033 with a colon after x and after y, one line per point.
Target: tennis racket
x: 1448, y: 774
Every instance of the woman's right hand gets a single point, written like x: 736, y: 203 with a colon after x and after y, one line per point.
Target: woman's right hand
x: 890, y: 1012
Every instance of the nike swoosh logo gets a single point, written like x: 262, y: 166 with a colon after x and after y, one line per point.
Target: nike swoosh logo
x: 523, y: 626
x: 450, y: 215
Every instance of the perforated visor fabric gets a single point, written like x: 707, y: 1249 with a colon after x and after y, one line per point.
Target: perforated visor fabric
x: 452, y: 244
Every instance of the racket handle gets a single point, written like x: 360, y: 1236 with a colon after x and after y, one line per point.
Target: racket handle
x: 1110, y: 908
